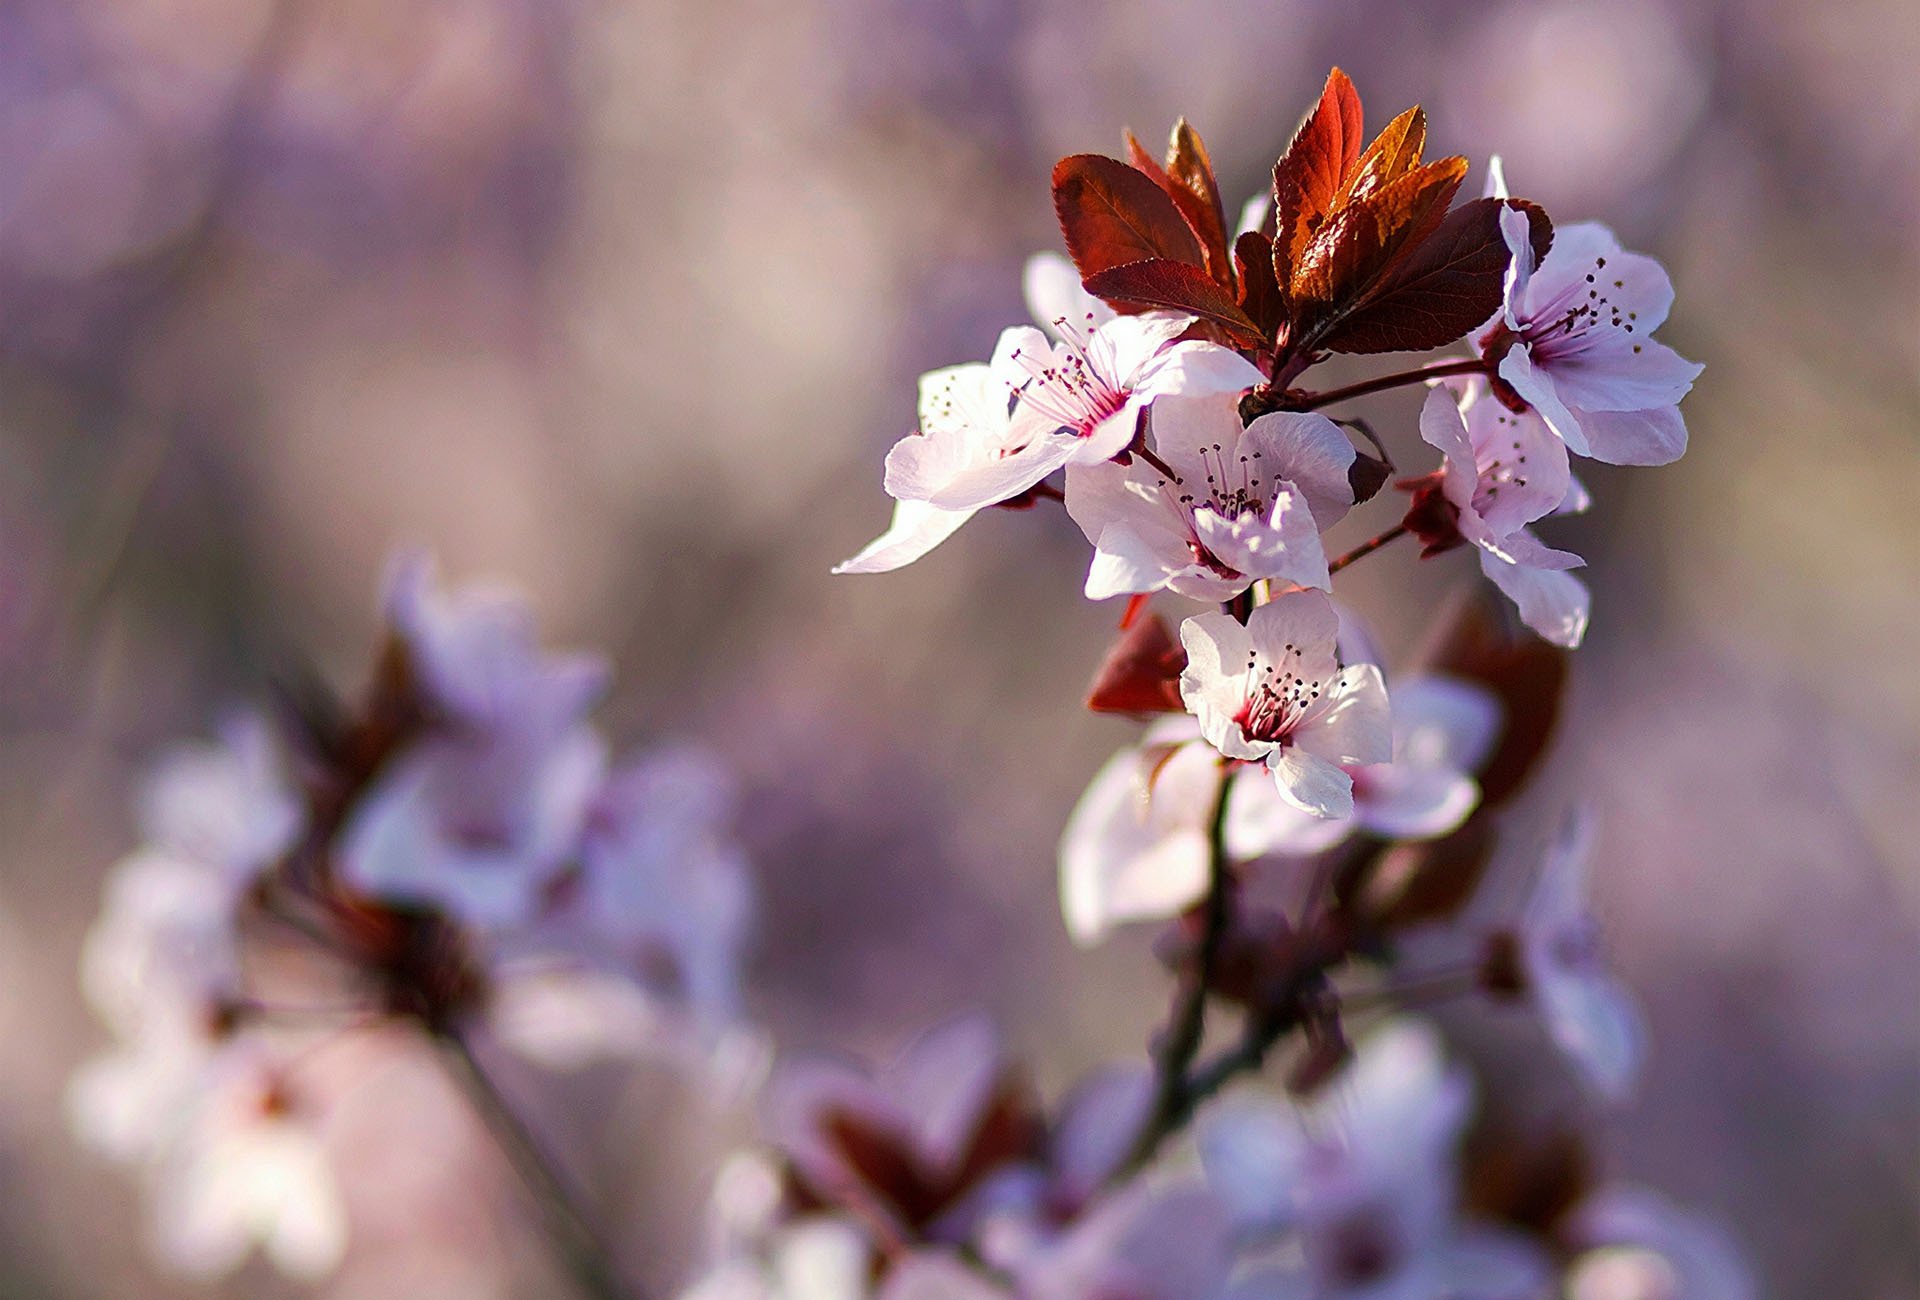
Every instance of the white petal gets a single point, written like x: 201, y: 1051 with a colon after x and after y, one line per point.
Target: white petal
x: 1254, y: 1153
x: 1297, y: 628
x: 989, y: 482
x: 1261, y: 823
x: 1309, y: 451
x: 1197, y: 367
x: 1537, y: 387
x: 917, y: 528
x: 1621, y: 374
x: 1597, y: 1023
x: 1353, y: 722
x: 1125, y: 348
x: 1135, y: 847
x: 1553, y: 603
x: 1213, y: 682
x: 1402, y: 801
x: 1443, y: 428
x: 1441, y: 721
x: 1652, y: 437
x: 1311, y: 784
x: 1054, y: 293
x: 1123, y: 563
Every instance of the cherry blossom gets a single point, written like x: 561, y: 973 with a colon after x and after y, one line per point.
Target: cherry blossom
x: 1212, y: 507
x: 483, y: 811
x: 640, y: 957
x: 231, y: 1158
x: 1364, y: 1182
x: 1573, y: 340
x: 989, y: 433
x: 1135, y: 847
x: 948, y: 1111
x: 1562, y: 966
x: 1502, y: 472
x: 966, y: 455
x: 164, y: 946
x: 1273, y: 691
x: 1442, y: 729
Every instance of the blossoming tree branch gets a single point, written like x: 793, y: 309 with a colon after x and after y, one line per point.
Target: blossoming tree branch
x: 1313, y: 828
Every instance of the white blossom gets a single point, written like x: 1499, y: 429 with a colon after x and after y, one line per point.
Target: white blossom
x: 1216, y: 506
x: 1273, y: 691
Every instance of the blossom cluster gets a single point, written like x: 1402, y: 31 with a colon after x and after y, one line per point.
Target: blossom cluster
x: 1313, y: 828
x: 460, y: 854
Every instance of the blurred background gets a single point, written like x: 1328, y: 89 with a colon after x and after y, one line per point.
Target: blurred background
x: 624, y: 302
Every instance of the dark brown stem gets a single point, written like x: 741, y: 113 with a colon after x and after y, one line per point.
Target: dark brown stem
x: 1365, y: 548
x: 1140, y: 450
x: 586, y: 1255
x: 1420, y: 374
x: 1187, y: 1025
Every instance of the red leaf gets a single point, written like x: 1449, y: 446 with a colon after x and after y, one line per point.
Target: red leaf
x: 1141, y: 673
x: 1393, y: 153
x: 1450, y: 284
x: 1195, y: 191
x: 1260, y: 297
x: 1143, y: 161
x: 1363, y: 242
x: 1173, y: 286
x: 1112, y: 214
x: 1308, y: 177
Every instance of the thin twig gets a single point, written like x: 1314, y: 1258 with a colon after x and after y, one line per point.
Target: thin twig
x: 1187, y: 1025
x: 1365, y: 548
x: 1418, y: 375
x: 579, y: 1244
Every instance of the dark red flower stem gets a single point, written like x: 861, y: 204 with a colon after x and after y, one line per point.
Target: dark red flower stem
x: 1366, y: 548
x: 587, y: 1255
x: 1299, y: 401
x: 1174, y: 1054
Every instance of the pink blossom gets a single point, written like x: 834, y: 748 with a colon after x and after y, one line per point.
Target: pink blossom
x: 1273, y: 691
x: 1574, y: 341
x: 1502, y: 472
x: 1214, y: 506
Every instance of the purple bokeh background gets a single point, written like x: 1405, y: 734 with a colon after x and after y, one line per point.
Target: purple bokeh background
x: 624, y: 303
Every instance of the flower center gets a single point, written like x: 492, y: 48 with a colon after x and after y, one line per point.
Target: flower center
x: 1277, y: 697
x: 1067, y: 387
x: 1234, y: 487
x: 1582, y: 308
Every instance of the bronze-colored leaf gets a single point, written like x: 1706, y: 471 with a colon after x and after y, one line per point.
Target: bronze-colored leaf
x: 1393, y: 153
x: 1308, y: 177
x: 1195, y: 191
x: 1363, y: 243
x: 1174, y: 286
x: 1112, y: 214
x: 1450, y: 284
x: 1260, y: 297
x: 1143, y: 161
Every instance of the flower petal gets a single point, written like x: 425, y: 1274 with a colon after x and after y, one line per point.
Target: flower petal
x: 917, y: 528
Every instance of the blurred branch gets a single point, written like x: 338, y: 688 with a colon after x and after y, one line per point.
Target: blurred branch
x: 1187, y: 1025
x: 587, y: 1255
